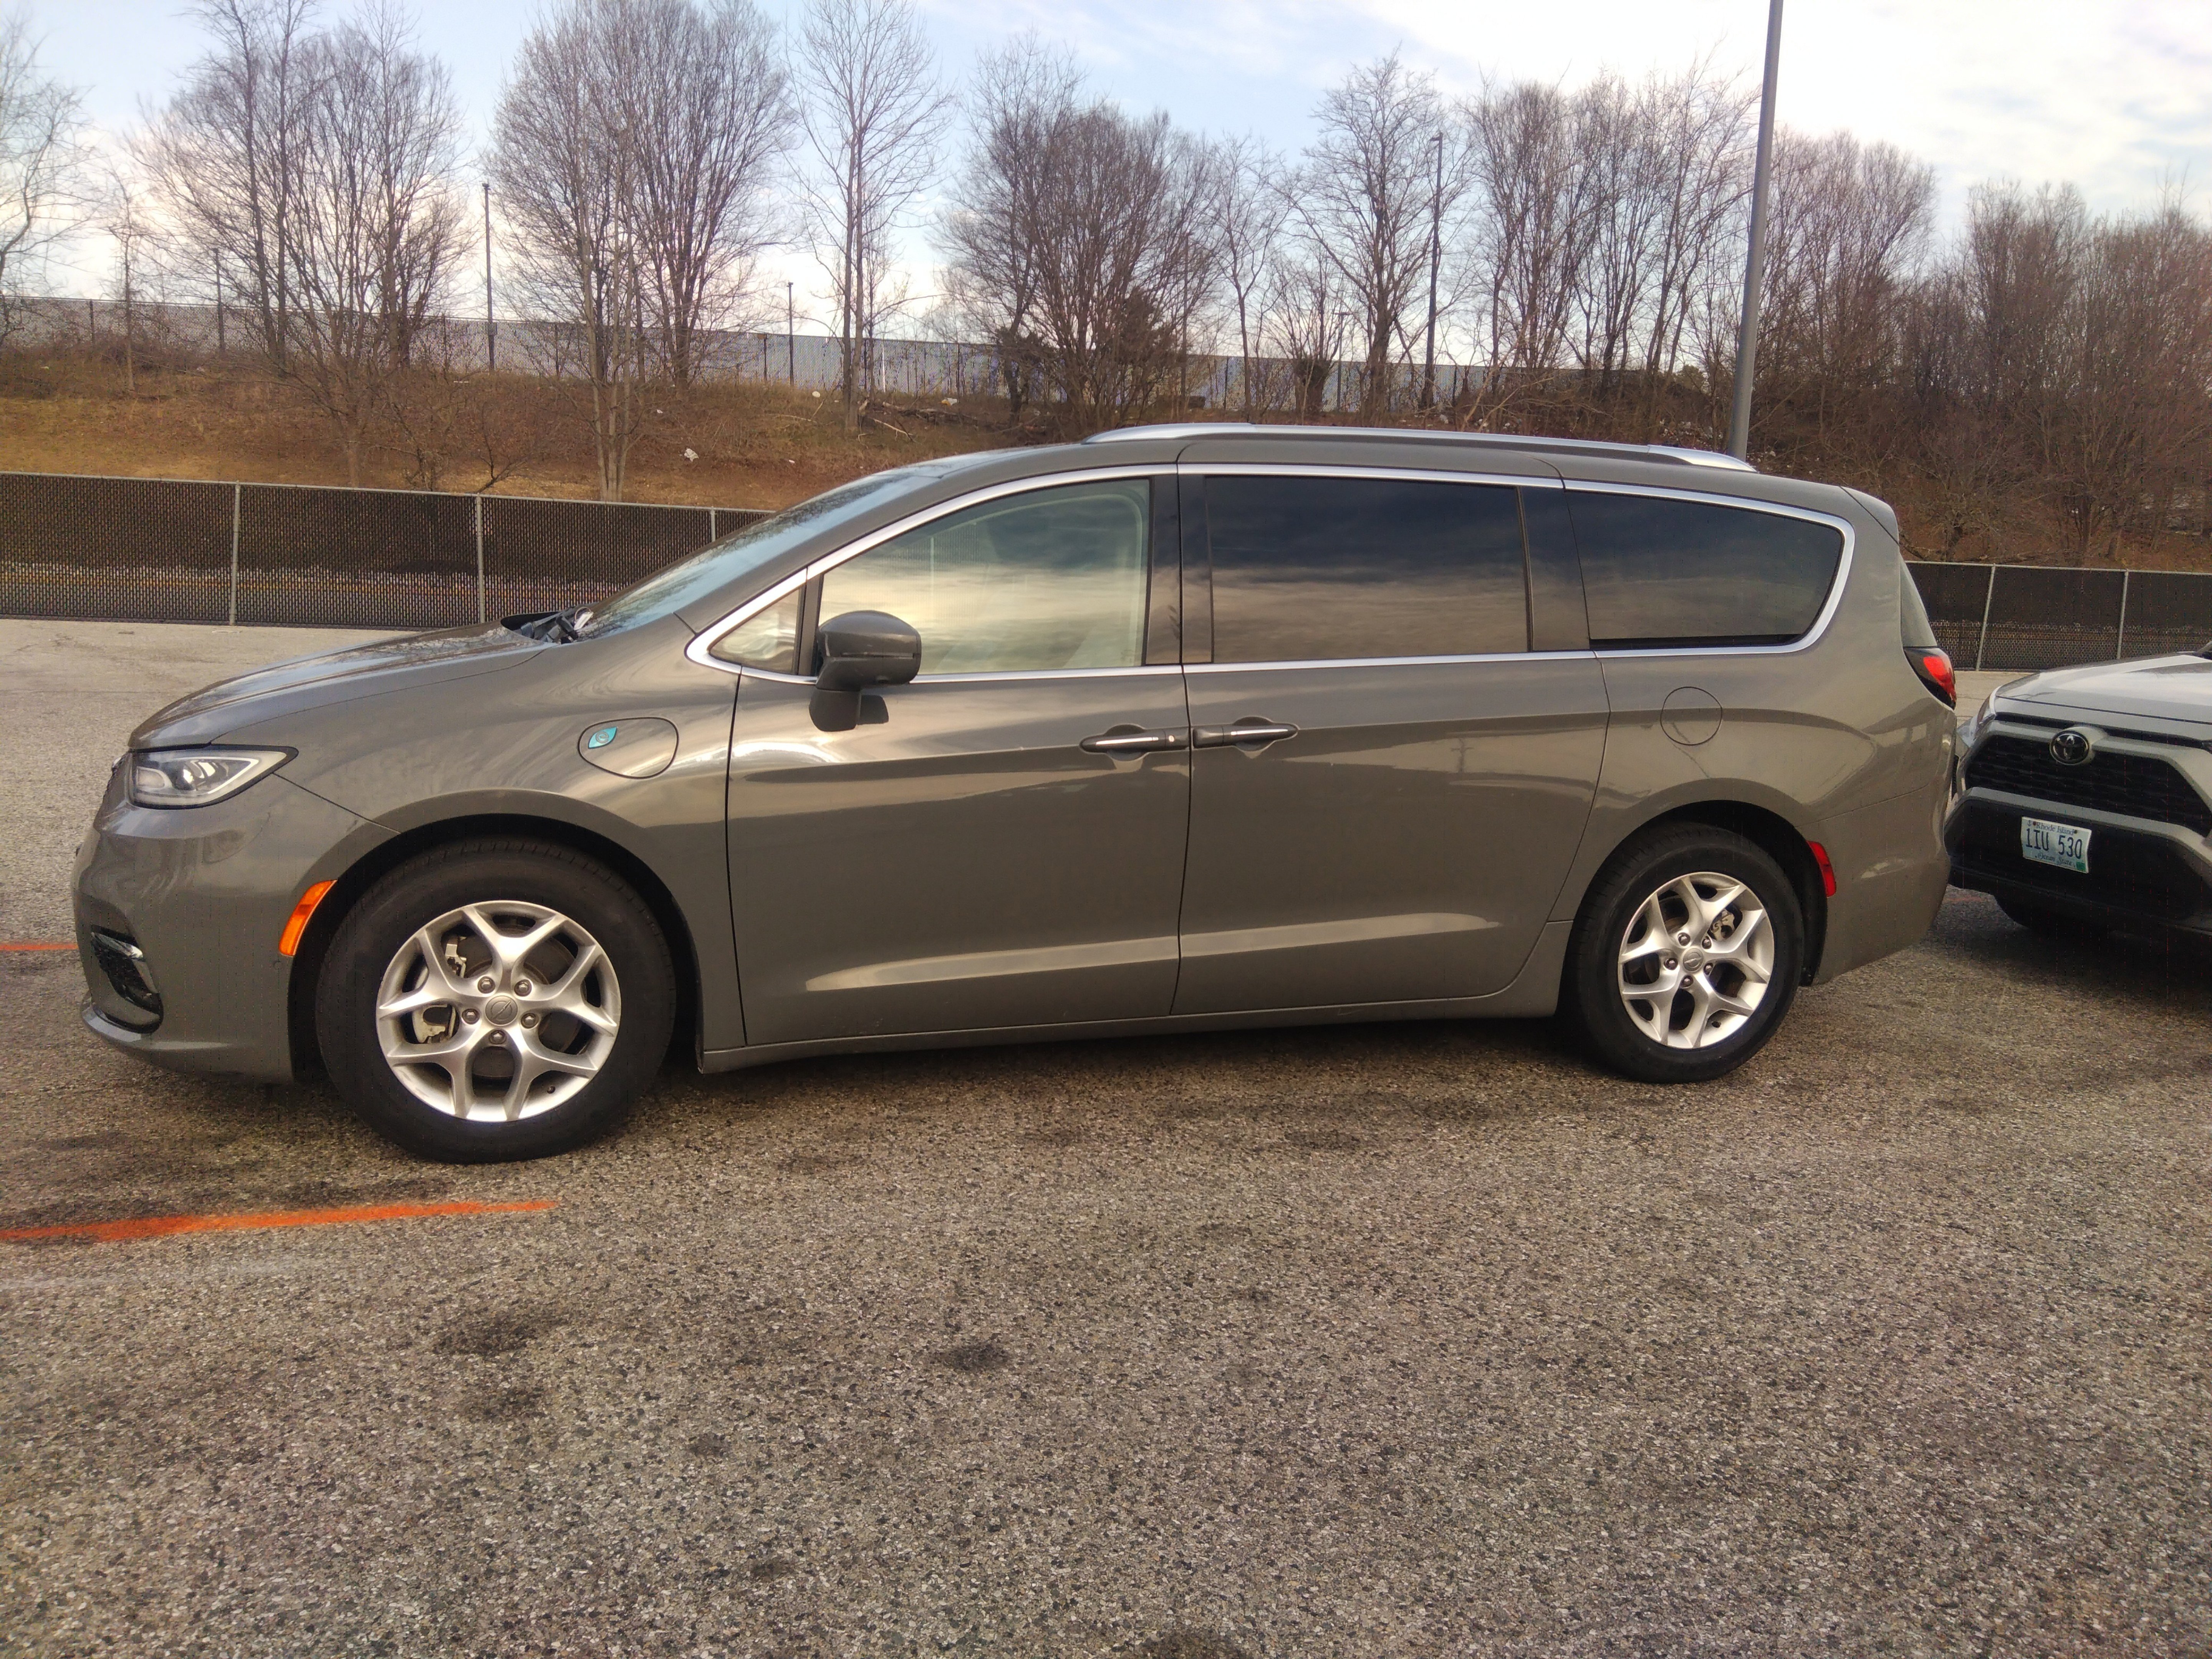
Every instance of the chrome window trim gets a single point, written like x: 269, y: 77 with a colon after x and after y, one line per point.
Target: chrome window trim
x: 708, y: 637
x: 1332, y: 470
x: 1519, y: 443
x: 1811, y: 637
x: 698, y: 650
x: 990, y: 677
x: 1388, y: 662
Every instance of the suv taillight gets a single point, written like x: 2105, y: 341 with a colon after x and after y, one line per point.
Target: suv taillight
x: 1933, y: 667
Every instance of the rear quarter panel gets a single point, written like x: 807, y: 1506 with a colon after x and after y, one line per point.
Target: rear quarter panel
x: 1821, y: 735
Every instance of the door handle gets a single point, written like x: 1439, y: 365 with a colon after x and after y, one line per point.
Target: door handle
x: 1127, y: 740
x: 1246, y: 730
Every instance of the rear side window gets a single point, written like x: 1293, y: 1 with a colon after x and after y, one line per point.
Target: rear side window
x: 1658, y: 572
x: 1330, y: 569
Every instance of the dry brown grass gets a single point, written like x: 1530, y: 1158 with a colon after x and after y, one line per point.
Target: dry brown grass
x: 758, y: 445
x: 762, y: 444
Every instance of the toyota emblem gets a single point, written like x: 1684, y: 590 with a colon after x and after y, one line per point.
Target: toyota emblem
x: 2071, y: 747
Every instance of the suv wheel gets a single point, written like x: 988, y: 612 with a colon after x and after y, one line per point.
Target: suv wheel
x: 496, y: 1000
x: 1686, y: 955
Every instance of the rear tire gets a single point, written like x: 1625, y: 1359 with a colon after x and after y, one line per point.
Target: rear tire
x: 1686, y: 955
x: 496, y: 1000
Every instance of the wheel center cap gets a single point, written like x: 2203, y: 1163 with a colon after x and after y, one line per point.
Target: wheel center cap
x: 501, y: 1011
x: 1692, y: 960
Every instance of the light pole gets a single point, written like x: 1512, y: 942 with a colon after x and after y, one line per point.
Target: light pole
x: 491, y: 326
x: 1436, y: 259
x: 790, y: 337
x: 1754, y: 266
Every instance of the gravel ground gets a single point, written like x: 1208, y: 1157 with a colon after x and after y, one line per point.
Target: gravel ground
x: 1378, y: 1341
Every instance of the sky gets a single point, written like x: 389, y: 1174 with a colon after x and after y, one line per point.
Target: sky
x: 2113, y: 96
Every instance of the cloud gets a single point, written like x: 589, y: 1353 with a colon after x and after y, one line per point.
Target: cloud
x: 2113, y: 94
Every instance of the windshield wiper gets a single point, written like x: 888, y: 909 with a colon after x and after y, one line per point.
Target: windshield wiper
x: 553, y: 627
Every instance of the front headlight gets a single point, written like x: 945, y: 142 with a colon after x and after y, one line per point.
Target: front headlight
x: 197, y: 777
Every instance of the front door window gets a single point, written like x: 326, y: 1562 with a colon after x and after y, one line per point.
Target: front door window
x: 1048, y: 580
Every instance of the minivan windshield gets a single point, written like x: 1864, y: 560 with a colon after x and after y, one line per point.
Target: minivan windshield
x: 667, y: 592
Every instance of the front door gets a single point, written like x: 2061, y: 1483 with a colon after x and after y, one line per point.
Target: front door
x: 1388, y: 785
x: 961, y: 859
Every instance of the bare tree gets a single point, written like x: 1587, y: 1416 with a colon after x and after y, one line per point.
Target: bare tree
x: 564, y: 168
x: 1699, y: 140
x: 1092, y: 228
x: 41, y: 165
x: 375, y: 226
x: 446, y: 417
x: 1365, y: 202
x: 1307, y: 319
x: 1538, y: 218
x: 1249, y: 206
x: 633, y: 155
x: 1851, y: 226
x: 129, y: 227
x: 2138, y: 428
x: 223, y: 158
x: 1020, y: 92
x: 873, y: 113
x: 710, y: 117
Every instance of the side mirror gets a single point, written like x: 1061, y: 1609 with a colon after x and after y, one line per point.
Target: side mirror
x: 860, y: 649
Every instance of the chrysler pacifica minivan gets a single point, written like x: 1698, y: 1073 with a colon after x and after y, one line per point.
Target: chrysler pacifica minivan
x: 1175, y: 729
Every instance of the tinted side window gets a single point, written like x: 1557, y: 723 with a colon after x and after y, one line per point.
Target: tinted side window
x: 1658, y: 572
x: 1048, y: 579
x: 1313, y: 570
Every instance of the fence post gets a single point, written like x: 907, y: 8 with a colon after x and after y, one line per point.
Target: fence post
x: 237, y: 500
x: 480, y: 591
x: 2120, y: 645
x: 713, y: 534
x: 1982, y: 642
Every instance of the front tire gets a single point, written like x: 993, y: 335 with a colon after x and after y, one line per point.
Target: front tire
x: 1686, y: 955
x: 496, y: 1000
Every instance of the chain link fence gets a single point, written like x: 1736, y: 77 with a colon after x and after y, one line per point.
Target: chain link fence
x: 2018, y: 617
x: 157, y: 550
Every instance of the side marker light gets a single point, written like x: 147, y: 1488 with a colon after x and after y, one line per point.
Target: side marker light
x: 304, y: 912
x: 1828, y: 870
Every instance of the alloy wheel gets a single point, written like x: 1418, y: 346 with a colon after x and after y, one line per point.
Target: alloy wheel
x: 499, y: 1011
x: 1696, y: 960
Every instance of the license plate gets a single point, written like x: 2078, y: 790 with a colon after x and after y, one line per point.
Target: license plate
x: 2062, y: 846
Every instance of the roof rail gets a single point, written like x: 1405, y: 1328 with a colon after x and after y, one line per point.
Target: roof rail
x: 1494, y: 440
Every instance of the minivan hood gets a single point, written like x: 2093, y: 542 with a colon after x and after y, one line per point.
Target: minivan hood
x: 2158, y: 688
x: 331, y: 676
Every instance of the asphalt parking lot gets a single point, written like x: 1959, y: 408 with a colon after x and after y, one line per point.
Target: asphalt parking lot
x: 1413, y: 1341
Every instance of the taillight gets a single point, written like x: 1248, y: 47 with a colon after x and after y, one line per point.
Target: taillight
x: 1933, y: 667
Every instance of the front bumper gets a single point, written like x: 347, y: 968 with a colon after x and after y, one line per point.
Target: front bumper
x: 202, y: 895
x: 2143, y: 875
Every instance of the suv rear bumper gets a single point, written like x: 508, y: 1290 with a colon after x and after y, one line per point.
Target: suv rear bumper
x: 2142, y: 876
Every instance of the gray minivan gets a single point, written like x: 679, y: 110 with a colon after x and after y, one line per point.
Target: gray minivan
x: 1175, y: 729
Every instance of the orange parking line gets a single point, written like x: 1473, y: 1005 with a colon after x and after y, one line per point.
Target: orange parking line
x: 18, y: 944
x: 161, y: 1226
